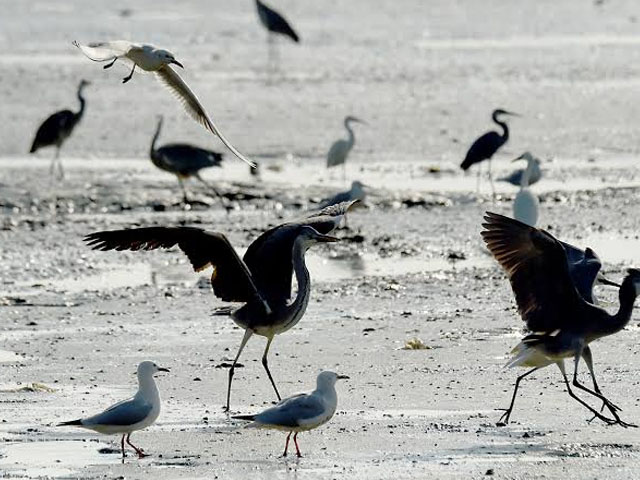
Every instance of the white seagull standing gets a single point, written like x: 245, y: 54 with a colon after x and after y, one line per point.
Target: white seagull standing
x: 526, y: 203
x: 125, y: 417
x: 152, y: 59
x: 302, y: 412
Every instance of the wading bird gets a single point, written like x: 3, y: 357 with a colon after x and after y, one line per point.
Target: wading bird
x: 302, y: 412
x: 515, y: 177
x: 563, y: 324
x: 526, y: 203
x: 261, y: 279
x: 184, y: 161
x: 131, y: 415
x: 152, y: 59
x: 57, y: 128
x: 356, y: 192
x: 275, y: 25
x: 487, y: 145
x: 340, y: 149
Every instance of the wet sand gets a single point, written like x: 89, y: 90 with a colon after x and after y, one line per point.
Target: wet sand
x: 411, y: 264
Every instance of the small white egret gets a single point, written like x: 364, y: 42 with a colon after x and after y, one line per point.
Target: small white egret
x: 152, y: 59
x: 128, y: 416
x: 302, y: 412
x: 526, y: 203
x: 339, y: 151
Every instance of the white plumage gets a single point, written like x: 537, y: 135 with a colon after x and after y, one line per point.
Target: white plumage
x: 526, y: 203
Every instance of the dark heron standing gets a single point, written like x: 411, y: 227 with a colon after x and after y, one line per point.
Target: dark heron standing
x: 261, y: 280
x: 184, y: 161
x: 57, y: 128
x: 275, y: 25
x: 562, y: 321
x: 487, y: 145
x: 340, y: 149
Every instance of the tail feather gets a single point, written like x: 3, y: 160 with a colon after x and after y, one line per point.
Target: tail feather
x: 72, y: 422
x: 223, y: 311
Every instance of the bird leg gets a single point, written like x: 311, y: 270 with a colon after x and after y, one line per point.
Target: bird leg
x: 504, y: 419
x: 493, y: 188
x: 286, y: 445
x: 266, y: 367
x: 128, y: 77
x: 109, y: 65
x: 478, y: 178
x: 139, y: 451
x: 245, y: 339
x: 295, y: 441
x: 588, y: 359
x: 197, y: 175
x: 597, y: 414
x: 185, y: 198
x: 122, y: 445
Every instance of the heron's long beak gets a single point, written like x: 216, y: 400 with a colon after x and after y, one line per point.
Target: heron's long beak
x: 605, y: 281
x: 327, y: 238
x: 163, y: 369
x: 516, y: 159
x: 343, y: 377
x: 177, y: 63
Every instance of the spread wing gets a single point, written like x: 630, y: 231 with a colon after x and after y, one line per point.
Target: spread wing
x: 103, y: 51
x: 231, y: 280
x: 194, y: 108
x: 127, y: 412
x: 537, y: 267
x: 584, y: 266
x: 292, y: 411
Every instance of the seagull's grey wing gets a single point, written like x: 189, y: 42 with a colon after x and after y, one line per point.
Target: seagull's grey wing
x: 193, y: 106
x: 103, y: 51
x: 231, y: 280
x: 127, y: 412
x: 293, y: 411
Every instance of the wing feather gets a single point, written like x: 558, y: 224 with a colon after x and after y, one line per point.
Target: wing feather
x: 103, y: 51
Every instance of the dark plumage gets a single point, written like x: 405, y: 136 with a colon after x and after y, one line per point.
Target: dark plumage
x: 57, y: 128
x: 183, y: 160
x: 562, y: 321
x: 487, y: 145
x: 274, y: 22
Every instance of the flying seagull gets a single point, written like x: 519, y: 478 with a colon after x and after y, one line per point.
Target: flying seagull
x: 153, y: 59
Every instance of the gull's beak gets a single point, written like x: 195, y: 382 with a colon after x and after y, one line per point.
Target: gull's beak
x: 163, y: 369
x: 605, y: 281
x: 343, y: 377
x: 176, y: 62
x: 327, y: 238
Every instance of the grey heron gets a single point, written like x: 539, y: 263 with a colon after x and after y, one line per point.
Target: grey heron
x: 487, y: 145
x: 526, y: 203
x: 301, y: 412
x: 340, y: 149
x: 261, y: 280
x: 515, y: 177
x: 57, y: 128
x: 562, y: 322
x: 184, y: 161
x: 153, y: 59
x: 275, y: 24
x: 128, y: 416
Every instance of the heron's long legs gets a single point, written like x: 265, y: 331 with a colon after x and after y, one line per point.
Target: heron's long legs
x: 110, y: 64
x: 210, y: 187
x: 504, y: 419
x: 128, y: 77
x: 266, y: 367
x: 597, y: 414
x: 184, y: 190
x: 493, y: 188
x: 588, y: 359
x: 478, y: 178
x: 245, y: 339
x: 139, y: 451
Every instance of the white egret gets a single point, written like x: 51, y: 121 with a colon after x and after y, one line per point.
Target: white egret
x: 526, y: 203
x: 152, y: 59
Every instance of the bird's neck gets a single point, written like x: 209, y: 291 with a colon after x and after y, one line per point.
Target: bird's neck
x: 302, y: 278
x: 82, y: 104
x: 526, y: 175
x: 351, y: 137
x: 627, y: 296
x: 152, y: 151
x: 505, y: 128
x: 148, y: 390
x: 328, y: 394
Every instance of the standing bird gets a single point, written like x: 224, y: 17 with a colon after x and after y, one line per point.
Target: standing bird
x: 183, y: 161
x: 57, y: 128
x: 487, y: 145
x: 562, y: 322
x: 526, y: 203
x: 340, y: 149
x: 128, y: 416
x: 275, y: 24
x: 261, y: 279
x: 301, y: 412
x: 152, y: 59
x: 515, y: 177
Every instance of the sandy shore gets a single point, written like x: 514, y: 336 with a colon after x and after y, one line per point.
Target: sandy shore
x: 76, y: 322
